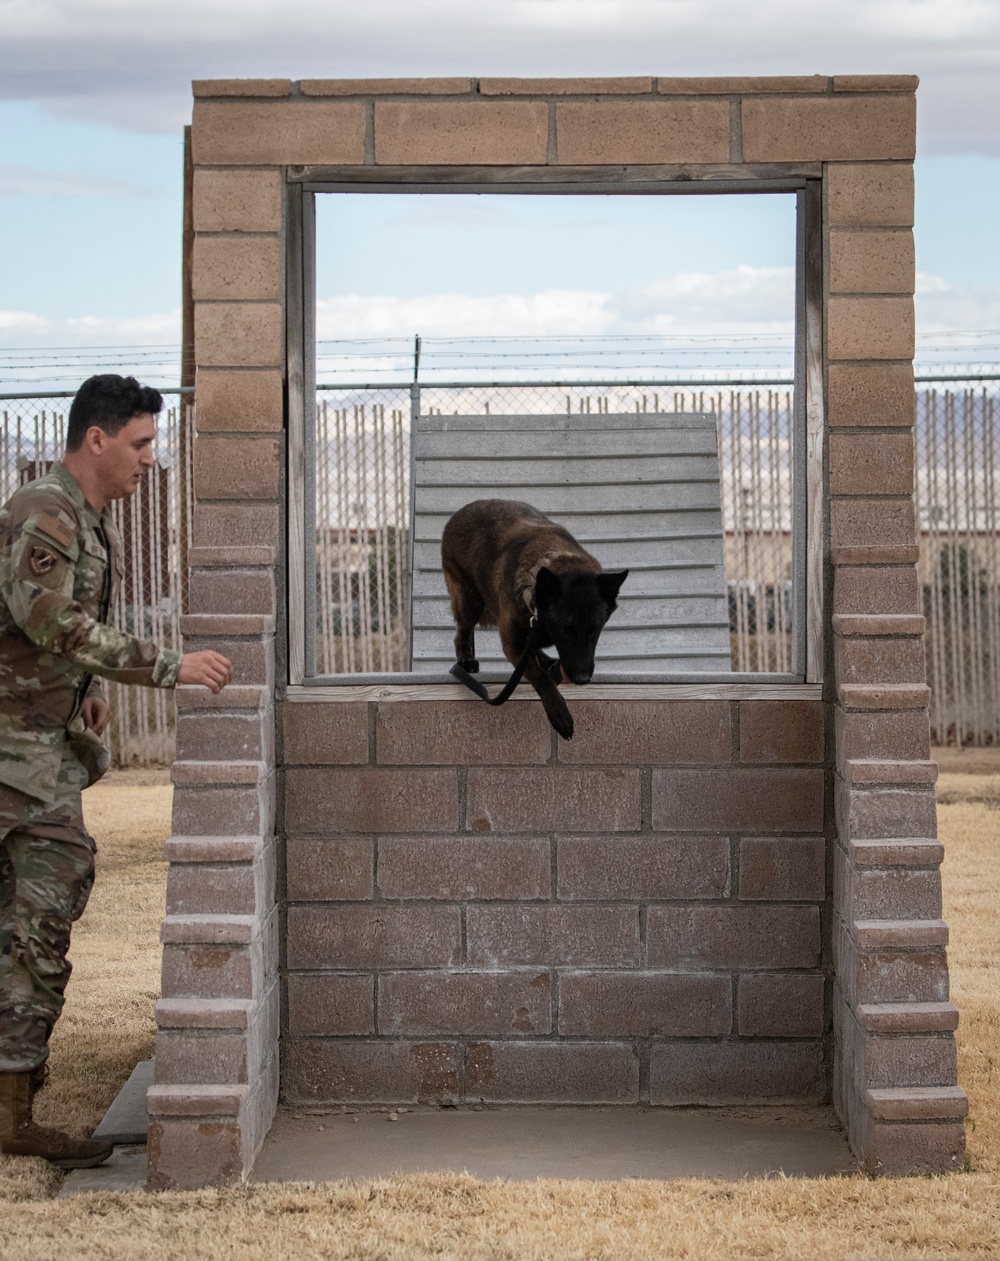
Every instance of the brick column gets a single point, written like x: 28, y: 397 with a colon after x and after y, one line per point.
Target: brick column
x: 216, y: 1079
x: 895, y: 1064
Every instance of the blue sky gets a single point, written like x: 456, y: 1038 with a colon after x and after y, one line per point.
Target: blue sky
x: 94, y: 96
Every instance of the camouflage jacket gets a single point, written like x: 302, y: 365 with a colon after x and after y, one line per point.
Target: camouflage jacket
x: 56, y: 589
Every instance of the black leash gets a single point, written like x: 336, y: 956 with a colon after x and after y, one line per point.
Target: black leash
x: 473, y: 684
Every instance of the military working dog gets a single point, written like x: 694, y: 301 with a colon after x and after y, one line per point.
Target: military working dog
x: 504, y: 562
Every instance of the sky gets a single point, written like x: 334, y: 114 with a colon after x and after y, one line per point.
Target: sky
x: 94, y: 95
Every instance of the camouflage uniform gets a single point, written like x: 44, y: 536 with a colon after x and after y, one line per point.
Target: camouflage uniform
x: 60, y: 567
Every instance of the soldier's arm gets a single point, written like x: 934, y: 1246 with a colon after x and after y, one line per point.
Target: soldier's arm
x: 38, y: 587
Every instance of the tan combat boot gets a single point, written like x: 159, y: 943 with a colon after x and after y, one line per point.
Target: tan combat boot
x: 20, y: 1136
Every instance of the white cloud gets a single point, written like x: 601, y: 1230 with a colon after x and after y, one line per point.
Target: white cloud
x: 130, y: 63
x: 745, y: 300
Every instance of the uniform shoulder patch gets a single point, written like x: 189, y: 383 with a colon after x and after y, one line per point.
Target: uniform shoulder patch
x: 42, y: 560
x: 55, y: 529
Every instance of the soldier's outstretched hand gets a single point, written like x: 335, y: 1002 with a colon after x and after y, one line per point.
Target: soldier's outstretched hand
x: 210, y: 669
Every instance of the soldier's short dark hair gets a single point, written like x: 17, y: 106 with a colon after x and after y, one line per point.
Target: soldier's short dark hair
x: 109, y: 401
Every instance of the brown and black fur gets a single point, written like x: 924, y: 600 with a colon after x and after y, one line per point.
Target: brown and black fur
x: 499, y: 557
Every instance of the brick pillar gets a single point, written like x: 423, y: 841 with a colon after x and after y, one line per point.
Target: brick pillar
x: 216, y: 1080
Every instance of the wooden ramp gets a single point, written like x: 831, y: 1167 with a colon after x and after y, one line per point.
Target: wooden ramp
x: 636, y: 490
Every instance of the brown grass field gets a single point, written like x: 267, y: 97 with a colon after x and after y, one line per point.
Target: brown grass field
x: 108, y: 1026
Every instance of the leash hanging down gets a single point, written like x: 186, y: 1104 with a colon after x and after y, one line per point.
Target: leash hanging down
x: 473, y: 684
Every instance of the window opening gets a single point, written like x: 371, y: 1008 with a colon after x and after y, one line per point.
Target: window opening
x: 729, y: 365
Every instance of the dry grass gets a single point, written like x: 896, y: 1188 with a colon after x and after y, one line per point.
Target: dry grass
x: 107, y: 1027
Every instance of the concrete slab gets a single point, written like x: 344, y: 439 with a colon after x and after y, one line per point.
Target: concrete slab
x: 126, y: 1120
x: 124, y: 1171
x: 527, y: 1143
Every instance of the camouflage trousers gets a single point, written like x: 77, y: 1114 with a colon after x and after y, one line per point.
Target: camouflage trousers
x: 46, y: 874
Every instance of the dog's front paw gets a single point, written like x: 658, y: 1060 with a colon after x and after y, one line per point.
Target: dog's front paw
x: 470, y: 665
x: 562, y: 720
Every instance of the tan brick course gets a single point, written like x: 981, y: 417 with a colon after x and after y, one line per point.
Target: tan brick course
x: 325, y: 735
x: 733, y: 936
x: 564, y: 936
x: 866, y: 588
x: 927, y: 1060
x: 895, y: 893
x: 230, y: 737
x: 623, y: 868
x: 225, y: 524
x: 217, y: 811
x: 239, y: 334
x: 373, y: 936
x: 567, y: 799
x: 870, y: 328
x: 241, y: 87
x: 889, y: 660
x: 236, y: 201
x: 249, y: 591
x: 278, y: 133
x: 231, y: 268
x: 475, y: 1004
x: 444, y: 133
x: 637, y: 732
x: 736, y: 85
x: 780, y: 1005
x: 904, y: 1150
x: 315, y: 1070
x: 207, y: 971
x: 875, y: 82
x: 738, y: 800
x: 872, y: 262
x: 883, y: 735
x: 621, y: 86
x: 235, y: 468
x: 370, y: 800
x: 464, y: 867
x: 331, y: 1005
x: 329, y: 869
x: 551, y: 1072
x: 642, y: 132
x: 239, y: 400
x: 887, y: 812
x: 871, y: 464
x: 828, y: 129
x: 785, y: 868
x: 640, y: 1004
x: 860, y: 521
x: 736, y: 1073
x: 385, y: 87
x: 441, y: 733
x: 791, y: 733
x: 871, y: 394
x: 868, y: 195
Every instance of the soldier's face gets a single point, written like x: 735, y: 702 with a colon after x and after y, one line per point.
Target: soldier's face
x: 123, y: 459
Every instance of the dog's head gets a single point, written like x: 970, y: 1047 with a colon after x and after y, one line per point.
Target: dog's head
x: 573, y: 609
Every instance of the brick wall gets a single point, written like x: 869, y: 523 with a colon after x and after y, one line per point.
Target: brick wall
x: 714, y: 900
x: 479, y: 912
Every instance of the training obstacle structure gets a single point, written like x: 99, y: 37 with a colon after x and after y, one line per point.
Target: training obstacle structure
x: 719, y: 892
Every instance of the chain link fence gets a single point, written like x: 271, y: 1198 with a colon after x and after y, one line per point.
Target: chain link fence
x: 154, y: 523
x: 363, y: 545
x: 958, y: 517
x: 363, y: 496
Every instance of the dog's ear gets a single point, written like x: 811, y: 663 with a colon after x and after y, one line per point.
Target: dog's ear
x: 609, y: 584
x: 547, y: 588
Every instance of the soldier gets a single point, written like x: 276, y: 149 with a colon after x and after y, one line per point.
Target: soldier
x: 60, y: 567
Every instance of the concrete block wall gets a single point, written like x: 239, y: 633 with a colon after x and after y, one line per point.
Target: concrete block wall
x: 709, y: 900
x: 477, y: 912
